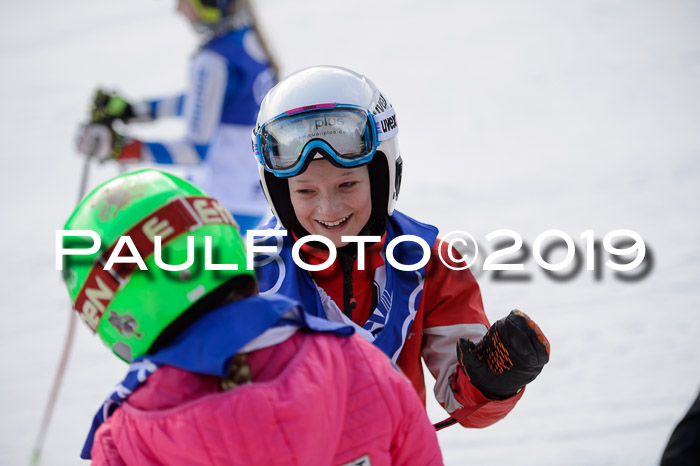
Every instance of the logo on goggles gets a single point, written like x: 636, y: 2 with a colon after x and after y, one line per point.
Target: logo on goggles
x: 389, y: 124
x: 326, y: 121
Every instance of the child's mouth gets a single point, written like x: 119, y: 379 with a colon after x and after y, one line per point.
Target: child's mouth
x: 334, y: 225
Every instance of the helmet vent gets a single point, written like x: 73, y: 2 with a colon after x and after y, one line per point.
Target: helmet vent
x: 123, y: 351
x: 197, y: 293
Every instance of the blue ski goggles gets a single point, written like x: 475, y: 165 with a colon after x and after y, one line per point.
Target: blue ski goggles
x: 349, y: 134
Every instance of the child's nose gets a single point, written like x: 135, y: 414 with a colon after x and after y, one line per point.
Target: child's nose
x: 329, y: 203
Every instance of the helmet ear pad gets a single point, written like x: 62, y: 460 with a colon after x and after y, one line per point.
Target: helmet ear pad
x: 379, y: 184
x: 278, y: 190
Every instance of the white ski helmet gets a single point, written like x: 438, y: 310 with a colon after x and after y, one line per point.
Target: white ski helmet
x: 330, y: 87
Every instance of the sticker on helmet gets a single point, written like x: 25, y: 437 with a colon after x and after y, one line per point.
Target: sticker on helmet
x: 125, y: 324
x: 116, y: 197
x: 382, y: 104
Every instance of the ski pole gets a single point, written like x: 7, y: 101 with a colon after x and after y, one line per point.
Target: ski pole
x: 67, y: 345
x: 84, y: 178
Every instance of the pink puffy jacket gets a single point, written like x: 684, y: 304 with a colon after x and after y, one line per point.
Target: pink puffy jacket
x: 317, y: 399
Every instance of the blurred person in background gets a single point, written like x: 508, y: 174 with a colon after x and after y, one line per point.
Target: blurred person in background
x: 229, y: 75
x: 683, y: 448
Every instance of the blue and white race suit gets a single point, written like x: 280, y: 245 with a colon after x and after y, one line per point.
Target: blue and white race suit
x: 229, y: 77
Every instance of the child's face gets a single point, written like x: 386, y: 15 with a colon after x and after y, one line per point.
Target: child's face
x: 331, y: 201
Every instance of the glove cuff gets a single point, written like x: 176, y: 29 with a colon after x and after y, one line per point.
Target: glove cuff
x: 130, y: 152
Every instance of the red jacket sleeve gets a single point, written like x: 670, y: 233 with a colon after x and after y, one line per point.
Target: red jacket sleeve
x: 452, y: 309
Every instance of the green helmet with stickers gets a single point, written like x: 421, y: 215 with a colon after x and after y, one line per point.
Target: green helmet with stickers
x: 168, y: 252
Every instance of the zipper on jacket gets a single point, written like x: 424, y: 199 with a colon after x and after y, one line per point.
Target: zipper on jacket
x: 346, y: 264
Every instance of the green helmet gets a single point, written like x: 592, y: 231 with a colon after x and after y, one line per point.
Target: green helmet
x: 130, y: 308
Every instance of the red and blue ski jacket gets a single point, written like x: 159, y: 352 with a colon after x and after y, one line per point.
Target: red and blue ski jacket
x: 413, y: 316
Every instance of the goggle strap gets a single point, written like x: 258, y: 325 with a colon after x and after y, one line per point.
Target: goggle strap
x: 386, y: 124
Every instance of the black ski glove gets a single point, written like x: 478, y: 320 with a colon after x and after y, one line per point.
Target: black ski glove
x: 508, y: 357
x: 109, y: 106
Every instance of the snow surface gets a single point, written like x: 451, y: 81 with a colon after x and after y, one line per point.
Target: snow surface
x: 528, y: 115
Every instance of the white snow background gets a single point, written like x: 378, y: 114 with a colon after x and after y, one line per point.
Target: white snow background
x: 527, y: 115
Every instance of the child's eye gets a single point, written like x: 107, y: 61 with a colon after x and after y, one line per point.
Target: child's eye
x: 304, y: 191
x: 348, y: 184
